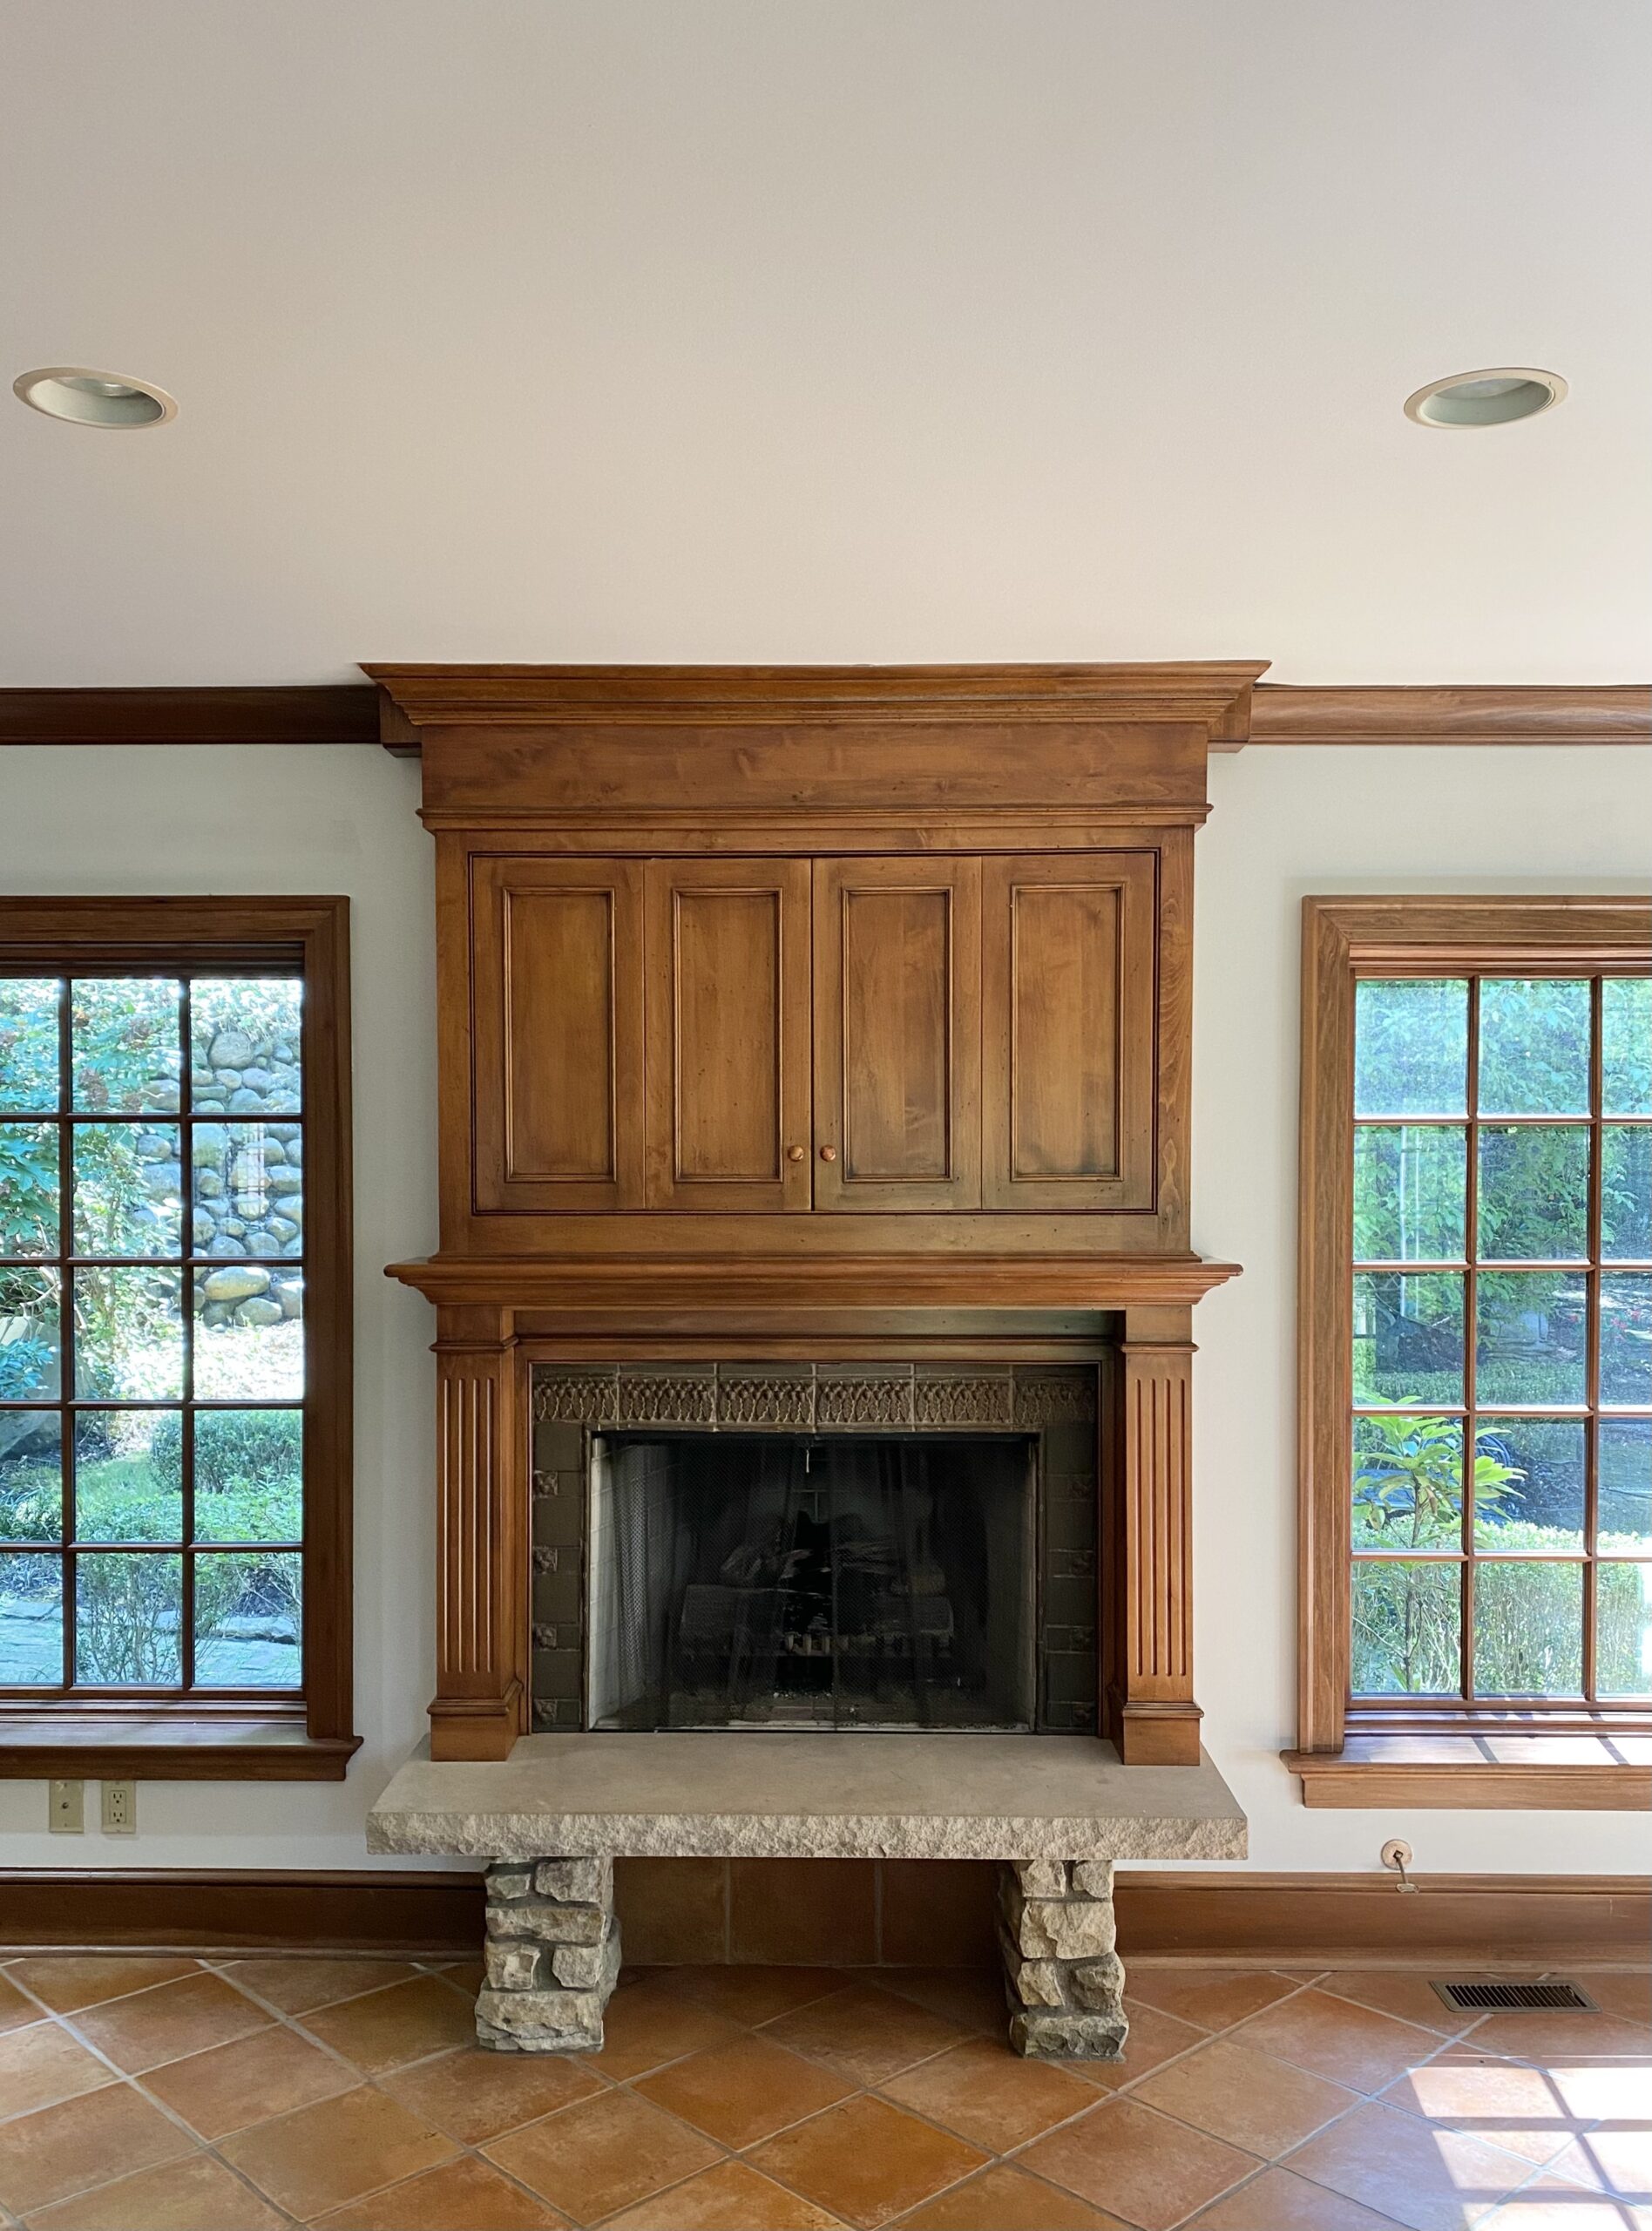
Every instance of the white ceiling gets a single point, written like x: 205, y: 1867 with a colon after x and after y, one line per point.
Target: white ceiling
x: 826, y: 329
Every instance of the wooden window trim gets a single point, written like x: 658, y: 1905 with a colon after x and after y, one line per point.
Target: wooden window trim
x: 309, y: 1738
x: 1426, y: 1753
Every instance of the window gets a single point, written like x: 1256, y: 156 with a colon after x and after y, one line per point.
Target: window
x: 1477, y: 1342
x: 174, y: 1326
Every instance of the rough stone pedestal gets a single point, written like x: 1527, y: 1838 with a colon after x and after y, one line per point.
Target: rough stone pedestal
x: 1065, y: 1980
x: 552, y: 1956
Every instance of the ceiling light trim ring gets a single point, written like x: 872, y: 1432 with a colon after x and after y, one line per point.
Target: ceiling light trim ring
x: 1526, y: 392
x: 81, y: 395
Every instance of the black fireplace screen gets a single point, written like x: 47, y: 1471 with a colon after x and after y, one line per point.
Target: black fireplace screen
x: 803, y: 1581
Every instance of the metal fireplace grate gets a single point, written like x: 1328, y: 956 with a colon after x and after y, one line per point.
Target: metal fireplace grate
x: 1505, y: 1998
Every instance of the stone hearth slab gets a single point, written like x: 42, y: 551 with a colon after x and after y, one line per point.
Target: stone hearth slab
x: 816, y: 1796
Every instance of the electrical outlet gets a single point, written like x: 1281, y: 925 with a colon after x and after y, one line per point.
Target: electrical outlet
x: 66, y: 1809
x: 120, y: 1808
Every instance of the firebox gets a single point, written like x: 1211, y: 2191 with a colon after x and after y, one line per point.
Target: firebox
x: 793, y: 1547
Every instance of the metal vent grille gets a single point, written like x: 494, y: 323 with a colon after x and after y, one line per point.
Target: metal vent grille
x: 1504, y: 1998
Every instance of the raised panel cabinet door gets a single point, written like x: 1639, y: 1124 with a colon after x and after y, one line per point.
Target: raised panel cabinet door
x: 1068, y: 1031
x: 897, y: 1033
x: 726, y: 1002
x: 557, y: 1045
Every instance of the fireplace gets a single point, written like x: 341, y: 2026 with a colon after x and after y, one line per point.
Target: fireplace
x: 835, y: 1546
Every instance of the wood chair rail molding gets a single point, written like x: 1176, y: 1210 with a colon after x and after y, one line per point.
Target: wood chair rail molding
x: 814, y: 1004
x: 1436, y: 1752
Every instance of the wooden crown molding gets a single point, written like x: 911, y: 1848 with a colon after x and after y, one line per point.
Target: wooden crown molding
x: 1413, y: 714
x: 1279, y: 712
x: 1213, y: 695
x: 341, y: 713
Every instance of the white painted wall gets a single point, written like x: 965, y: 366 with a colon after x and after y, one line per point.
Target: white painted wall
x: 1285, y: 822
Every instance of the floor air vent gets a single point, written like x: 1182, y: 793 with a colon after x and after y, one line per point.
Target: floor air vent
x: 1510, y: 1999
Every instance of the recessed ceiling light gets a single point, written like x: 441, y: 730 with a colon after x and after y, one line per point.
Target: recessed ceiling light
x: 89, y: 398
x: 1489, y: 398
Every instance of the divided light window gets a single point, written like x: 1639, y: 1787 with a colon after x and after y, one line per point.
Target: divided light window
x: 1500, y: 1531
x: 160, y: 1436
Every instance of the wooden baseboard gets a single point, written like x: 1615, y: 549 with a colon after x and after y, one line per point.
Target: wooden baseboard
x: 1293, y: 1921
x: 427, y: 1912
x: 1543, y: 1921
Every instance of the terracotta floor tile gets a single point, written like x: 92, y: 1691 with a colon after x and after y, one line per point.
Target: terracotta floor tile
x: 1548, y: 2204
x: 1004, y: 2198
x: 296, y: 1986
x: 733, y: 2196
x: 1154, y: 2039
x: 1507, y: 2103
x: 1334, y: 2038
x: 335, y: 2151
x: 475, y: 2095
x: 1613, y: 2159
x: 388, y: 2028
x: 984, y: 2091
x: 1264, y: 2106
x: 154, y: 2026
x: 463, y: 2196
x: 1277, y: 2202
x: 1410, y: 1998
x: 867, y: 2036
x: 1141, y: 2166
x: 467, y: 1976
x: 603, y: 2155
x: 42, y: 2065
x: 755, y: 1994
x: 81, y: 2142
x: 866, y: 2161
x: 67, y: 1981
x: 1561, y: 2037
x: 973, y: 1997
x: 197, y: 2194
x: 743, y: 2091
x: 1628, y: 1994
x: 230, y: 2087
x: 15, y: 2008
x: 1214, y: 1998
x: 1424, y: 2175
x: 1593, y: 2091
x: 648, y: 2026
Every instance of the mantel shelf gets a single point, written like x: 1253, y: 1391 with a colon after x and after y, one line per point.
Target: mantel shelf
x: 723, y: 1286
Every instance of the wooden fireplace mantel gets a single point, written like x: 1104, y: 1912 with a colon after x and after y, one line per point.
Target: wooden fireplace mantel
x: 848, y: 1007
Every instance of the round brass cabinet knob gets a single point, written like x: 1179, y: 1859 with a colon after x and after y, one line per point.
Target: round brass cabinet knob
x: 795, y: 1154
x: 829, y: 1153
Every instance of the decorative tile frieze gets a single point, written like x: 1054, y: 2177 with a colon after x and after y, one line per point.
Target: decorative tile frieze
x: 1056, y: 1397
x: 667, y: 1398
x: 982, y: 1400
x: 782, y: 1399
x: 582, y: 1396
x: 847, y: 1401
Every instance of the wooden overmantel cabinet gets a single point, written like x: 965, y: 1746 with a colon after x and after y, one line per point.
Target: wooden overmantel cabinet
x: 841, y: 1036
x: 804, y: 1007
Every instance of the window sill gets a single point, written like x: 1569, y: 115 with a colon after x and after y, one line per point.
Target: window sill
x: 163, y: 1748
x: 1537, y: 1773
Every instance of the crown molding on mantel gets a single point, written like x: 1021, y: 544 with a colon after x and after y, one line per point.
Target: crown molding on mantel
x: 1280, y: 714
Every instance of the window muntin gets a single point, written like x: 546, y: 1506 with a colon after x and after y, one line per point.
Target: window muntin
x: 151, y: 1334
x: 1502, y: 1304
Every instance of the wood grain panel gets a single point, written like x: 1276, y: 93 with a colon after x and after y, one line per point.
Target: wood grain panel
x: 557, y: 960
x: 1069, y: 1031
x: 1151, y: 1713
x: 727, y: 1000
x: 898, y: 960
x: 481, y: 1538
